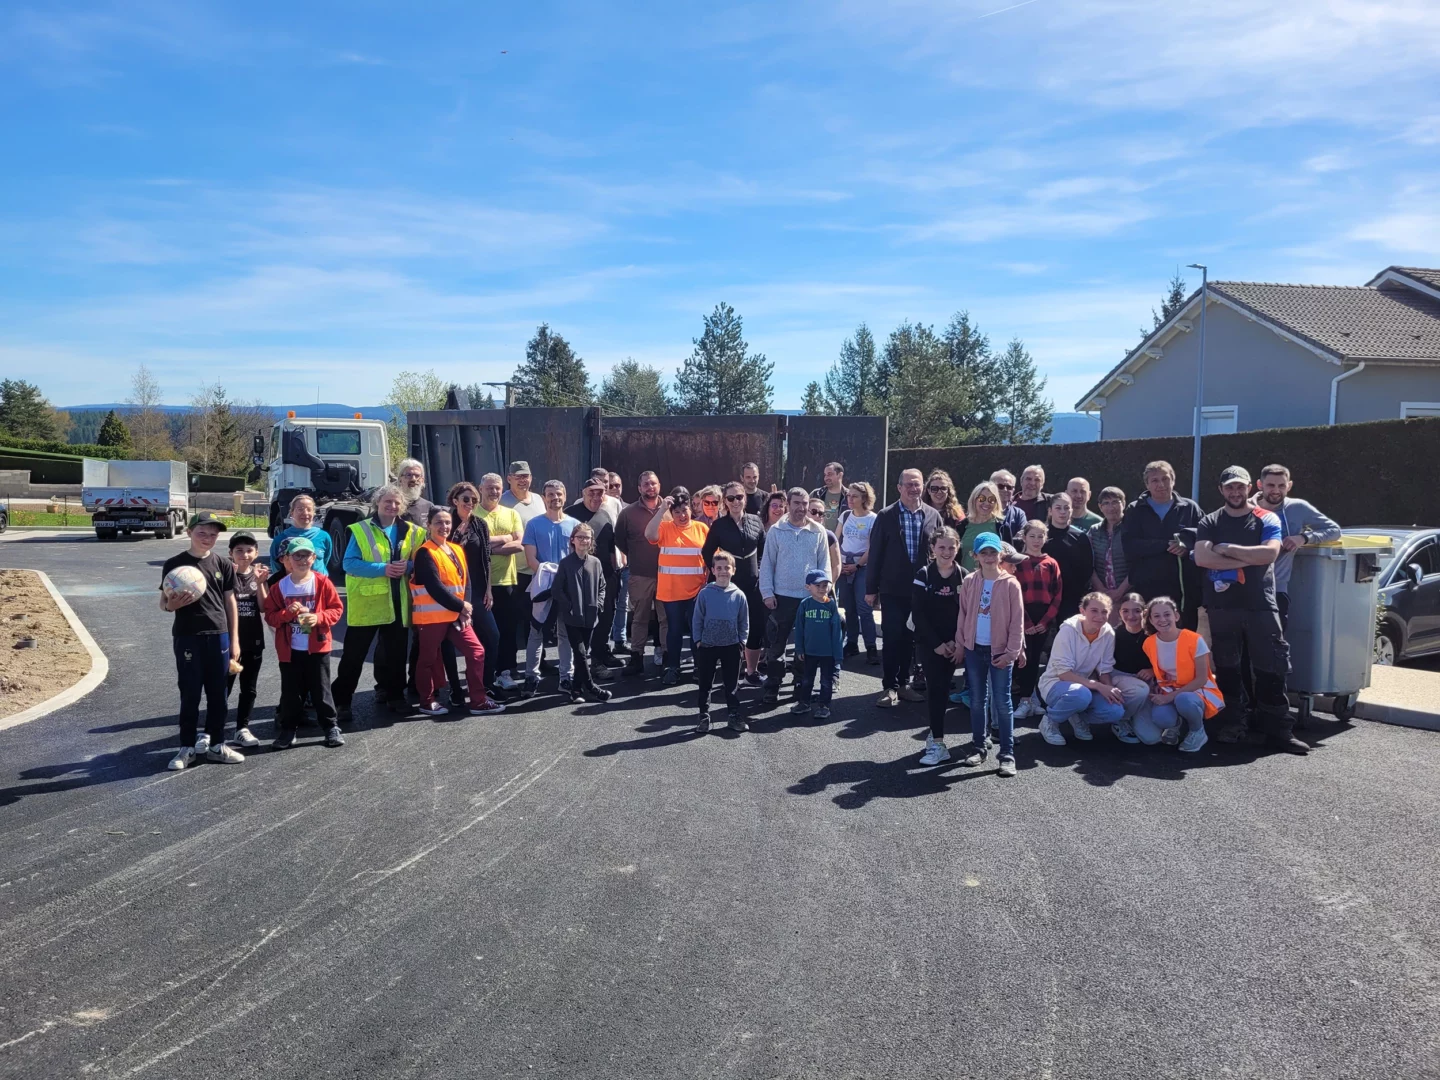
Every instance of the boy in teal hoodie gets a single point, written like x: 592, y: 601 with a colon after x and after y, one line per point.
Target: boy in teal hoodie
x: 818, y: 632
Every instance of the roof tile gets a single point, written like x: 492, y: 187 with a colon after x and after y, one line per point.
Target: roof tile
x: 1356, y: 323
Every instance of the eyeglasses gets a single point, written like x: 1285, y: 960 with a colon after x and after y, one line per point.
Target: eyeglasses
x: 1006, y: 487
x: 985, y: 499
x: 613, y: 487
x: 734, y: 498
x: 817, y: 513
x: 465, y: 498
x: 709, y: 502
x: 938, y: 489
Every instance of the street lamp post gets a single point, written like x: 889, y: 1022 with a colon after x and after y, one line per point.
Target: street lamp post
x: 1200, y: 379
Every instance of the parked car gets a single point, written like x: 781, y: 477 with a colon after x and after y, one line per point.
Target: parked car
x: 1409, y: 594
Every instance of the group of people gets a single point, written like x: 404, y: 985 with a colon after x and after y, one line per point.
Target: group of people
x: 1054, y: 611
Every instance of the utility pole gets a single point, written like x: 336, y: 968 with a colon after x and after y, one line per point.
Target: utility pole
x: 1200, y: 380
x: 509, y: 392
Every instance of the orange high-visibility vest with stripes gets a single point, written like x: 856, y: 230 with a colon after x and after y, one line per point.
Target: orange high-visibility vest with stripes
x: 682, y: 570
x: 450, y: 564
x: 1185, y: 663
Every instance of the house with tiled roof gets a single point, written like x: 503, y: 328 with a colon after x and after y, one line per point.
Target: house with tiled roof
x: 1282, y: 356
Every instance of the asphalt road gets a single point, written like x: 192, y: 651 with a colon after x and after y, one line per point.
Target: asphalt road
x: 597, y: 892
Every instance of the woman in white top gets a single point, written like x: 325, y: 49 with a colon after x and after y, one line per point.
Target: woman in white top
x: 854, y: 527
x: 1076, y: 685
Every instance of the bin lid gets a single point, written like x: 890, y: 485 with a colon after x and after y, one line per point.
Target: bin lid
x: 1351, y: 542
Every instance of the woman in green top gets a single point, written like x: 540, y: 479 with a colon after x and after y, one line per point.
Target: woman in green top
x: 984, y: 516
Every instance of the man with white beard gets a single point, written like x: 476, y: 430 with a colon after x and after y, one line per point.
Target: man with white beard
x: 412, y: 483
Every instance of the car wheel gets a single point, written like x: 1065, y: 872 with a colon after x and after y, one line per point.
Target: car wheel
x: 1386, y: 651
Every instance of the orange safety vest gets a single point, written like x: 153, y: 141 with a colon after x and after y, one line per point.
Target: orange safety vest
x: 682, y: 569
x: 450, y: 564
x: 1185, y: 662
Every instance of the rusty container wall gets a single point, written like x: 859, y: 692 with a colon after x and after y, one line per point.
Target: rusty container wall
x: 559, y: 443
x: 860, y: 443
x: 460, y: 445
x: 691, y: 450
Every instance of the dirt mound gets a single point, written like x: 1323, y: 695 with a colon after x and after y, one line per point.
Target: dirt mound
x: 29, y: 676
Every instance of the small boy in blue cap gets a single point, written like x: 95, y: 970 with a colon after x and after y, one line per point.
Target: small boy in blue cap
x: 818, y: 633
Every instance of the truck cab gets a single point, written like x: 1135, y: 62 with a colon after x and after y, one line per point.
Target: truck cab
x: 332, y: 460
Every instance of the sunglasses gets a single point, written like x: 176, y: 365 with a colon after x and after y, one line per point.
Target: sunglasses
x: 709, y: 502
x: 817, y: 513
x: 465, y: 498
x: 734, y: 498
x: 1006, y: 487
x: 613, y: 487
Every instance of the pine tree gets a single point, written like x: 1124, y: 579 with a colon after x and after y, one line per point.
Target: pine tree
x: 852, y: 383
x: 814, y: 403
x: 1172, y: 303
x: 969, y: 352
x: 478, y: 396
x: 551, y: 373
x: 1026, y: 411
x: 926, y: 391
x: 24, y: 412
x: 634, y: 389
x: 722, y: 376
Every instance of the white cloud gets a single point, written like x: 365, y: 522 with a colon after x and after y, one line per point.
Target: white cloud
x: 1407, y: 232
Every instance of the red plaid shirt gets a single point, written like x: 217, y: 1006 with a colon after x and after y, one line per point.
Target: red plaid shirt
x: 1039, y: 590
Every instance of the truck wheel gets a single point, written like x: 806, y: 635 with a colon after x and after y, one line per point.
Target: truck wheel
x: 339, y: 539
x: 167, y: 533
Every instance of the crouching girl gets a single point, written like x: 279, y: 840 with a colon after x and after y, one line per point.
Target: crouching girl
x: 1184, y: 684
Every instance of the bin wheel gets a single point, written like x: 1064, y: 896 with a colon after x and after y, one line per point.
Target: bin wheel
x: 1344, y: 706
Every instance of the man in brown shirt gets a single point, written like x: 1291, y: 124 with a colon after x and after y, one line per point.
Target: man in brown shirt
x: 643, y: 558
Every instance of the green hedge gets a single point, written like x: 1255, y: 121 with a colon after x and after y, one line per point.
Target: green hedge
x: 1378, y: 473
x: 44, y: 468
x: 210, y: 483
x: 48, y: 447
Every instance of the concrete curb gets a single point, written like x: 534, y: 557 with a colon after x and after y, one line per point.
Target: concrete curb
x: 1397, y: 714
x: 99, y: 664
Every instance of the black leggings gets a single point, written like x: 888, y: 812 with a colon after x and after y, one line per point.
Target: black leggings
x: 938, y: 673
x: 249, y: 676
x: 1028, y: 677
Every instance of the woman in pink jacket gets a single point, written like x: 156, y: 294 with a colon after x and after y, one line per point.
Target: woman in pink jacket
x: 990, y: 633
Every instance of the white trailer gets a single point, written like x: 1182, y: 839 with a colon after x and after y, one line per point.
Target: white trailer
x: 136, y: 496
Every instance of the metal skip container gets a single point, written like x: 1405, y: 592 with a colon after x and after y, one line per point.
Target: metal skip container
x: 1332, y: 619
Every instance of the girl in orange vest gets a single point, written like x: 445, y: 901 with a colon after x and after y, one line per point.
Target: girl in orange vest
x: 1184, y: 683
x: 440, y: 610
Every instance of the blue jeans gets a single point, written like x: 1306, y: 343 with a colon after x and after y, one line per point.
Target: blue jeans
x: 678, y: 613
x: 202, y: 666
x: 1069, y: 699
x: 826, y: 666
x: 859, y: 616
x: 622, y: 608
x: 1187, y: 706
x: 989, y: 684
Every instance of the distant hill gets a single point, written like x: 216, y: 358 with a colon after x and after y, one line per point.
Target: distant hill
x: 324, y: 410
x: 1074, y: 427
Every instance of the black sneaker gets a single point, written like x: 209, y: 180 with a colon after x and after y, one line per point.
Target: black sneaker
x: 634, y: 666
x: 530, y: 688
x: 754, y: 679
x: 619, y: 648
x: 567, y: 687
x: 343, y: 715
x: 703, y: 726
x: 737, y: 721
x: 848, y: 651
x: 872, y: 657
x: 597, y: 693
x: 333, y: 736
x: 770, y: 697
x: 670, y: 678
x: 284, y: 740
x: 1290, y: 744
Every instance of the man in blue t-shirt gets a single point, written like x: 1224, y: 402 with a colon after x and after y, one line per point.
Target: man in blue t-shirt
x: 547, y: 537
x: 1238, y: 545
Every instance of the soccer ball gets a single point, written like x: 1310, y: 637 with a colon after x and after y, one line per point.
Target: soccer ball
x: 187, y: 580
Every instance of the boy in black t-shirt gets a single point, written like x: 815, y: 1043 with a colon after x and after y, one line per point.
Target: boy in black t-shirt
x: 206, y: 639
x: 250, y: 585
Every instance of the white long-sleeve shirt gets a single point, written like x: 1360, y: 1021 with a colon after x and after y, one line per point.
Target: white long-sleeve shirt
x: 1073, y: 651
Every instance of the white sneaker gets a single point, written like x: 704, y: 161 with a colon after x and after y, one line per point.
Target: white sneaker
x: 1194, y: 741
x: 1007, y: 766
x: 935, y: 752
x: 1125, y: 732
x: 244, y: 737
x: 888, y: 699
x: 506, y: 682
x: 1170, y: 736
x: 1050, y: 732
x: 202, y: 744
x: 1082, y: 729
x: 224, y: 755
x: 183, y: 758
x: 1025, y: 710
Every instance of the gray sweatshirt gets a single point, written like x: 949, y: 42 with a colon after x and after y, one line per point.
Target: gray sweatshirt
x: 789, y: 553
x: 579, y: 590
x: 1294, y: 515
x: 722, y: 616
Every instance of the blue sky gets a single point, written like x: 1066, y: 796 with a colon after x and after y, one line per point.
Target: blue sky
x: 286, y: 195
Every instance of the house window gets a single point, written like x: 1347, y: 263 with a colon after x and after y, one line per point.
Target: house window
x: 1419, y: 408
x: 1219, y: 419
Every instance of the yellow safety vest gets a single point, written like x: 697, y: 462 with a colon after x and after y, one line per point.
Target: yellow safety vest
x: 370, y: 601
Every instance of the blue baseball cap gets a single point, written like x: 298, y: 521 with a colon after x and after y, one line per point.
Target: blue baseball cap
x: 817, y: 577
x: 987, y: 541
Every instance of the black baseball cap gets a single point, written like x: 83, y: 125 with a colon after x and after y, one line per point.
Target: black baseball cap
x: 242, y: 538
x: 205, y: 517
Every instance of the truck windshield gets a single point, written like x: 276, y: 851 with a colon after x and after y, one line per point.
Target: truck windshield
x: 337, y: 441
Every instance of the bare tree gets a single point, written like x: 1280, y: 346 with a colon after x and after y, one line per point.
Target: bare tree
x: 149, y: 431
